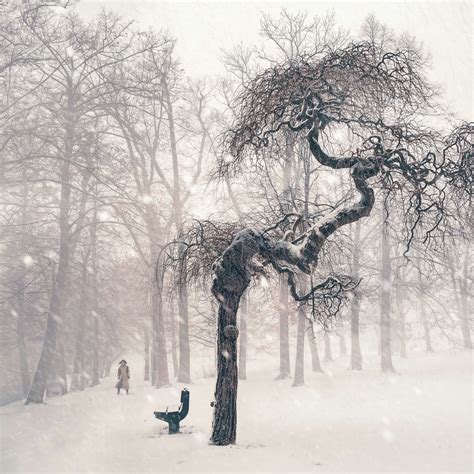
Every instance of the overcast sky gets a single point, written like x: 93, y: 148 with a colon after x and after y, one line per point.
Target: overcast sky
x: 204, y: 28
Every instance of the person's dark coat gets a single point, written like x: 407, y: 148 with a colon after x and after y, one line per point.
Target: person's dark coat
x: 123, y: 375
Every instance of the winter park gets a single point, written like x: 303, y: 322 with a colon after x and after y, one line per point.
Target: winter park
x: 236, y: 236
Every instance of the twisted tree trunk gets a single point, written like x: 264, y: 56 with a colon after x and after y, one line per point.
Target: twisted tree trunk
x: 233, y: 274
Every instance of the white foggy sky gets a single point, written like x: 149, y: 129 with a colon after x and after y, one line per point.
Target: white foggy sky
x: 203, y: 29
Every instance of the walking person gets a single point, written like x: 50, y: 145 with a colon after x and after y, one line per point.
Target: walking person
x: 123, y: 375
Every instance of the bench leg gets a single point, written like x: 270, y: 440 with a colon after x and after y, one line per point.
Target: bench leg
x: 173, y: 426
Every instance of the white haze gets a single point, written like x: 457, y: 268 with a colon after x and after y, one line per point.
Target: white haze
x: 316, y: 398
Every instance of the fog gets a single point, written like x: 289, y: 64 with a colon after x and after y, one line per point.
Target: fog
x: 265, y: 203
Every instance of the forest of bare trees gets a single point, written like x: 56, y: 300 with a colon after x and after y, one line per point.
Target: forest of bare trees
x: 312, y: 202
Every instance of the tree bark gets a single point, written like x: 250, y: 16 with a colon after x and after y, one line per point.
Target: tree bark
x: 401, y: 323
x: 160, y: 374
x: 327, y: 347
x: 232, y: 278
x: 49, y: 354
x: 315, y: 362
x: 161, y: 356
x: 385, y: 333
x: 465, y: 327
x: 20, y: 296
x: 95, y: 299
x: 108, y: 367
x: 284, y: 314
x: 299, y: 358
x: 174, y: 345
x: 77, y: 381
x: 244, y: 305
x: 356, y: 355
x: 184, y: 373
x: 233, y: 274
x: 342, y: 344
x: 20, y: 336
x: 146, y: 370
x: 224, y: 427
x: 283, y: 309
x: 424, y: 322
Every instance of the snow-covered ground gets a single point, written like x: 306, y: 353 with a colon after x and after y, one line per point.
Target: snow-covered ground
x: 417, y: 421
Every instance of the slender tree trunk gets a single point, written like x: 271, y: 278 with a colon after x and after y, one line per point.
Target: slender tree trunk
x: 315, y: 362
x: 161, y: 356
x: 224, y: 426
x: 301, y: 328
x: 55, y: 313
x: 401, y: 323
x: 20, y: 336
x: 184, y: 374
x: 50, y: 374
x: 95, y: 300
x: 299, y: 358
x: 160, y: 374
x: 465, y: 327
x: 424, y: 322
x: 77, y: 381
x: 342, y: 344
x: 174, y: 345
x: 108, y: 367
x: 147, y: 355
x: 20, y: 296
x: 284, y: 314
x: 385, y: 335
x: 283, y: 309
x: 153, y: 349
x: 356, y: 355
x: 327, y: 347
x: 244, y: 305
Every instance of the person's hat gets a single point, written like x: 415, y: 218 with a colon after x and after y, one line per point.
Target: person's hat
x: 123, y: 361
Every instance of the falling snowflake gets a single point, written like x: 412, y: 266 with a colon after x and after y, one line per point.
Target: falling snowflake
x: 263, y: 282
x: 146, y: 199
x: 388, y: 436
x: 51, y: 254
x: 102, y: 216
x: 226, y: 354
x: 418, y: 391
x: 28, y: 260
x: 386, y: 420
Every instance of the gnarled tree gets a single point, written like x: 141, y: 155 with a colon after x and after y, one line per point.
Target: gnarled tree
x: 379, y: 99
